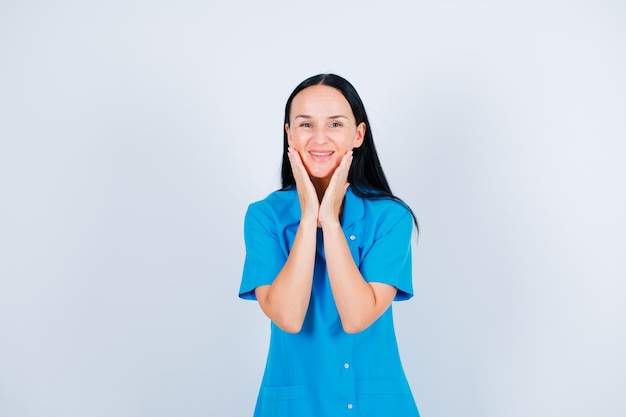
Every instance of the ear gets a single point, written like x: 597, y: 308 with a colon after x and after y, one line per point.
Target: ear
x: 360, y: 135
x: 288, y: 134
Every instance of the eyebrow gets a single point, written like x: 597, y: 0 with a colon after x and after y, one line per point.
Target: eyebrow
x: 306, y: 116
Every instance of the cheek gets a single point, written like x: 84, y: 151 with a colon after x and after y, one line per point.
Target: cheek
x: 296, y: 142
x: 292, y: 137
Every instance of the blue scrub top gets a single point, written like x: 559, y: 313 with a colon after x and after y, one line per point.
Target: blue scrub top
x: 323, y: 371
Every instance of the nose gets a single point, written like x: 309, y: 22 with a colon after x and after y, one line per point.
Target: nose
x: 320, y: 135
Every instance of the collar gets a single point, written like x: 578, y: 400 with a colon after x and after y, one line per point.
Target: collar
x: 353, y: 209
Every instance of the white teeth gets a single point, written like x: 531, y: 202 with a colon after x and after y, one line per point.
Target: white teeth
x: 321, y: 154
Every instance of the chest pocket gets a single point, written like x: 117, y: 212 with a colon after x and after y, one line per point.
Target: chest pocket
x: 385, y: 398
x: 286, y: 401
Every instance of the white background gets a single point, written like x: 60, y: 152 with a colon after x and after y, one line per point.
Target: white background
x: 133, y: 135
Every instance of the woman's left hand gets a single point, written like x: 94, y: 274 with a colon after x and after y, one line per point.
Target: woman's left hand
x: 330, y: 207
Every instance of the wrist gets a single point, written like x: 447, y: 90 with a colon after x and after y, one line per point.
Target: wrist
x: 330, y: 224
x: 308, y: 221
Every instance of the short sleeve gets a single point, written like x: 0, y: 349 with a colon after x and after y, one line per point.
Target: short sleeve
x: 388, y: 260
x: 264, y: 255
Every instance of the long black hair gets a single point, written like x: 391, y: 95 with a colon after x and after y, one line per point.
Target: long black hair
x: 366, y: 176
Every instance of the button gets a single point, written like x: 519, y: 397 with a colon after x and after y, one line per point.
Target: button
x: 352, y: 237
x: 350, y: 406
x: 346, y: 365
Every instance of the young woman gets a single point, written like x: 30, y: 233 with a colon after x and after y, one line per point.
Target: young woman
x: 325, y: 257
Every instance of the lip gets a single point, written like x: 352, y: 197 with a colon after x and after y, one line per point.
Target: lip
x: 321, y: 156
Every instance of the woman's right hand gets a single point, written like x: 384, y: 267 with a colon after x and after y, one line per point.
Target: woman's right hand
x: 309, y: 203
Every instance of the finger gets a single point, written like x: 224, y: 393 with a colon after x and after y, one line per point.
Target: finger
x: 340, y: 176
x: 346, y: 161
x: 294, y: 154
x: 303, y: 182
x: 296, y: 163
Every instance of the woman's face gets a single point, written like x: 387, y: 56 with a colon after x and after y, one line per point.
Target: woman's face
x: 322, y: 129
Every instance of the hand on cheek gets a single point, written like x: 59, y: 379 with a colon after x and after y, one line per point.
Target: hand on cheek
x: 330, y: 207
x: 309, y: 204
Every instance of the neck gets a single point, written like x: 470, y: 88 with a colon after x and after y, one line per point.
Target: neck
x: 320, y: 184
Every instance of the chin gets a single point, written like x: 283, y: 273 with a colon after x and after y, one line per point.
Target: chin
x: 320, y: 175
x: 321, y: 172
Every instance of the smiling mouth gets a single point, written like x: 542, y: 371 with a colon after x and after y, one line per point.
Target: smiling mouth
x: 322, y: 154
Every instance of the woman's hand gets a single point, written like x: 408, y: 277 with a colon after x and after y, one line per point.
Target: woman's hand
x: 330, y: 207
x: 309, y: 203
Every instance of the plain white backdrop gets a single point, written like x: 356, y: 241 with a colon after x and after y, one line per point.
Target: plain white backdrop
x: 133, y: 135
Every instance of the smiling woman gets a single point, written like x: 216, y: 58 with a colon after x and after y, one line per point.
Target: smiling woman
x: 324, y: 130
x: 325, y: 257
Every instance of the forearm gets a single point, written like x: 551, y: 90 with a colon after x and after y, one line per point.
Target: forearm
x: 358, y: 302
x: 286, y: 300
